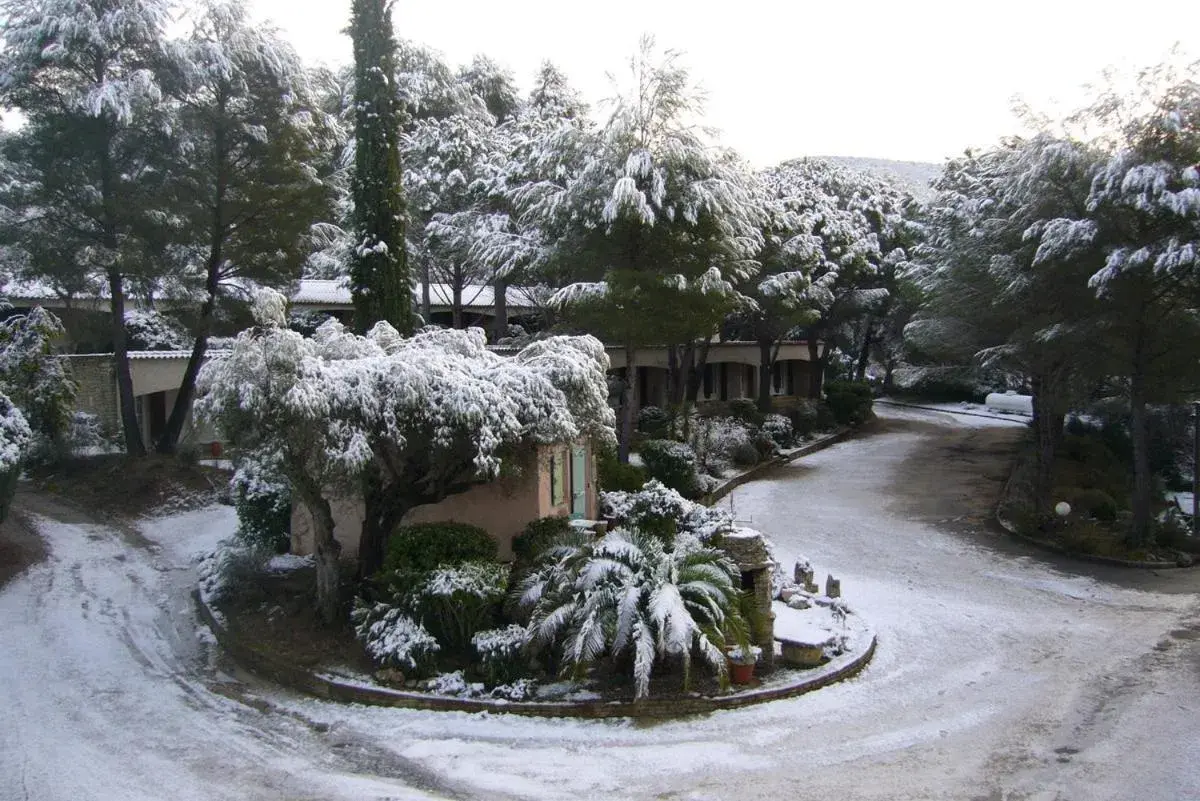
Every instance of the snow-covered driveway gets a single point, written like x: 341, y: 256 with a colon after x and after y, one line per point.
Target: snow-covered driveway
x: 997, y: 678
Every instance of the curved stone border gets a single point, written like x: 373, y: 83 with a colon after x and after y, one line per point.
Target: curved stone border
x: 336, y: 689
x: 753, y: 473
x: 1054, y: 547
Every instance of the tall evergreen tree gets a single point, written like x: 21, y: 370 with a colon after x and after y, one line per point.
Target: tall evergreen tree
x: 379, y: 261
x: 244, y: 190
x: 84, y: 74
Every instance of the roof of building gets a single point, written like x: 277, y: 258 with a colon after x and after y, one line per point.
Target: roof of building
x: 321, y: 292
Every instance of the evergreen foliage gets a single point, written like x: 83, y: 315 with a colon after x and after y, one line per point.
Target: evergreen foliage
x: 379, y: 273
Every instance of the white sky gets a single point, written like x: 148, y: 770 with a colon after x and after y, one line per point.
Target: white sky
x: 906, y: 79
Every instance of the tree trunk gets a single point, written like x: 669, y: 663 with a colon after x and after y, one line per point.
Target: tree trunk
x: 696, y: 379
x: 326, y: 547
x: 864, y: 352
x: 328, y: 553
x: 766, y: 362
x: 384, y: 511
x: 1048, y: 417
x: 816, y: 369
x: 426, y: 303
x: 169, y: 441
x: 500, y: 325
x: 134, y: 446
x: 629, y: 400
x: 456, y: 307
x: 1143, y: 483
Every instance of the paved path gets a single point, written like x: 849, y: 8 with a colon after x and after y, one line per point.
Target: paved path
x: 1002, y: 675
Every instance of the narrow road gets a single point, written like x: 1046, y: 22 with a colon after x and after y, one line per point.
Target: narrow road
x: 1001, y: 674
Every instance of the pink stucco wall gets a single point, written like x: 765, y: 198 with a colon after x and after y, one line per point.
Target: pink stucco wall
x: 502, y: 508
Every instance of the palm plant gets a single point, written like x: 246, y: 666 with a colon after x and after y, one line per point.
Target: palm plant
x: 629, y: 594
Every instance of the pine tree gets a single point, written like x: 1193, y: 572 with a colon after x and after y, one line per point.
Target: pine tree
x: 379, y: 261
x: 85, y: 77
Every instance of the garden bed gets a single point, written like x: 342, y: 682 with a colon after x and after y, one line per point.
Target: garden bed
x: 1078, y: 535
x: 276, y: 638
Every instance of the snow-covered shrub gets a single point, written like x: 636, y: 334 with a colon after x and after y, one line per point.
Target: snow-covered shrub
x: 648, y: 507
x: 779, y: 429
x: 87, y: 435
x: 519, y: 690
x: 715, y: 440
x: 230, y: 570
x: 15, y: 440
x: 454, y: 684
x: 263, y: 499
x: 654, y: 421
x: 746, y: 411
x: 37, y: 380
x: 393, y: 639
x: 628, y: 594
x: 430, y: 413
x: 148, y: 329
x: 745, y: 454
x: 672, y: 463
x: 456, y: 602
x: 502, y: 652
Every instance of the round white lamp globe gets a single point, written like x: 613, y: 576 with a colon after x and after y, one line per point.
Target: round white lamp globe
x: 1062, y: 508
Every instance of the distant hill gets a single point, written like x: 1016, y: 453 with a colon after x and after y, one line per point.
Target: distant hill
x: 915, y: 176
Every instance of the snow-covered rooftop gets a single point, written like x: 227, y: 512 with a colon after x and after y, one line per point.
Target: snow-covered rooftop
x: 314, y: 292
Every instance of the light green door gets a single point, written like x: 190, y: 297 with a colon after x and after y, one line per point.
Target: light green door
x: 578, y: 483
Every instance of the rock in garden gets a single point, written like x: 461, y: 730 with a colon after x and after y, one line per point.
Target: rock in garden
x: 798, y: 602
x: 833, y: 587
x: 390, y: 676
x: 802, y: 573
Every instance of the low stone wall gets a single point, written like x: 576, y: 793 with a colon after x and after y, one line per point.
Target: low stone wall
x: 337, y: 689
x: 757, y: 471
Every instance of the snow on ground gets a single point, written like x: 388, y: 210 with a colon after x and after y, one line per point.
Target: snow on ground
x: 967, y: 415
x: 996, y: 677
x: 105, y: 684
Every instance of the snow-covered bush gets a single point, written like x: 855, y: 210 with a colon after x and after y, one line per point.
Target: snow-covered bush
x: 648, y: 507
x: 37, y: 380
x: 426, y: 415
x: 629, y: 594
x: 456, y: 602
x: 263, y: 499
x: 716, y: 442
x: 455, y: 684
x: 15, y: 440
x: 502, y: 652
x: 148, y: 329
x: 393, y: 639
x: 229, y: 570
x: 672, y: 463
x: 87, y: 435
x: 779, y: 429
x: 519, y: 690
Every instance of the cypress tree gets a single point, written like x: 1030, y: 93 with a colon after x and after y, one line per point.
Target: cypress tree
x: 379, y: 279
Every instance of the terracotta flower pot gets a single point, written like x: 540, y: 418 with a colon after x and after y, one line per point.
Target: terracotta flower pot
x: 741, y: 672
